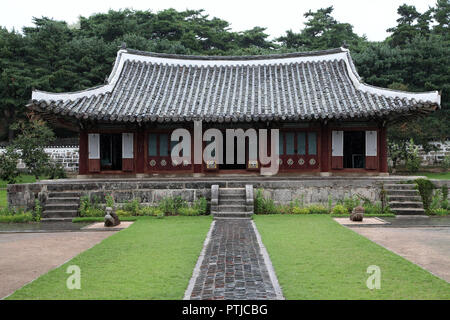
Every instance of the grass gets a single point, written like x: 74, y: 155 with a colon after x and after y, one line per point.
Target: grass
x: 151, y: 259
x: 101, y: 219
x: 3, y: 198
x: 316, y: 258
x: 435, y: 175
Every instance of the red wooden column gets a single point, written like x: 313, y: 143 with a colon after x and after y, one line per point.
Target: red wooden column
x: 83, y: 153
x: 383, y: 150
x: 324, y: 148
x: 140, y: 149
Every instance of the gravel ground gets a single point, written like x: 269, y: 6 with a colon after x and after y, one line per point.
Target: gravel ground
x: 428, y: 247
x: 26, y: 256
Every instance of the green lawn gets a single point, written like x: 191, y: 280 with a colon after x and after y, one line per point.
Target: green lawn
x: 316, y: 258
x: 3, y: 199
x: 438, y: 175
x: 152, y: 259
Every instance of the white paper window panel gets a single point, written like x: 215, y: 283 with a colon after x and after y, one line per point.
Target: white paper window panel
x: 94, y: 145
x: 337, y: 143
x: 371, y: 143
x: 127, y: 146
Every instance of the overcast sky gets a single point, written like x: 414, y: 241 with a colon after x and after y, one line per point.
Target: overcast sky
x: 369, y: 17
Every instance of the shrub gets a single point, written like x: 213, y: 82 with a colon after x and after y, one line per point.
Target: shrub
x: 110, y: 201
x: 425, y: 188
x: 285, y: 209
x: 440, y: 211
x: 133, y: 206
x: 8, y: 215
x: 412, y: 157
x: 339, y: 209
x: 445, y: 164
x: 54, y: 170
x: 317, y: 209
x: 298, y: 210
x: 189, y: 211
x: 123, y: 213
x: 201, y: 205
x: 37, y: 213
x: 444, y: 203
x: 149, y: 211
x: 90, y: 208
x: 8, y: 165
x: 264, y: 205
x: 172, y: 205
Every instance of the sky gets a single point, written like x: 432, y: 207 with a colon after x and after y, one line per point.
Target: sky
x: 369, y: 17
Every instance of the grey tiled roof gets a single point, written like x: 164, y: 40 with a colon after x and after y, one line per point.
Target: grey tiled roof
x: 146, y: 87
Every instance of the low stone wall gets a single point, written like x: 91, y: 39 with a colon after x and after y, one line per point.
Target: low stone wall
x: 151, y: 191
x: 66, y: 156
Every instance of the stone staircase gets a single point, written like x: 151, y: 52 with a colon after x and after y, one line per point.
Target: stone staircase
x: 404, y: 199
x: 61, y: 206
x: 232, y: 203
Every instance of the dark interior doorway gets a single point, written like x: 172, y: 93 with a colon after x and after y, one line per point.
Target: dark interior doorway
x: 235, y: 165
x: 354, y: 149
x: 111, y: 152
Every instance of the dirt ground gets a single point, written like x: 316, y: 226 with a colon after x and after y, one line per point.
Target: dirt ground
x: 26, y: 256
x: 426, y: 247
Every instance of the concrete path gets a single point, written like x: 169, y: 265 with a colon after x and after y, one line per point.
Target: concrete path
x: 233, y: 265
x: 26, y: 256
x: 427, y: 247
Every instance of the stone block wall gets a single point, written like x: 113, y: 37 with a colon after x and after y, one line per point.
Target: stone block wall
x: 66, y: 156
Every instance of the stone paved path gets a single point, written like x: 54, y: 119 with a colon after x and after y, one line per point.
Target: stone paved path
x: 233, y: 267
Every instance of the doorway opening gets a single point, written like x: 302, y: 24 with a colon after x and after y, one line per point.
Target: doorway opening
x: 354, y: 149
x: 235, y: 165
x: 111, y: 152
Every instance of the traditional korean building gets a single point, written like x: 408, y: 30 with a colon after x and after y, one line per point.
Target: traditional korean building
x: 329, y: 121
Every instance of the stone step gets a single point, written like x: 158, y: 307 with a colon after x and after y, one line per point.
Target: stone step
x: 65, y: 194
x: 61, y: 206
x: 231, y: 191
x: 63, y: 200
x: 405, y: 204
x: 408, y: 211
x: 404, y: 198
x: 56, y: 219
x: 400, y: 186
x: 232, y: 215
x: 232, y: 208
x: 233, y: 201
x: 59, y: 213
x: 403, y: 193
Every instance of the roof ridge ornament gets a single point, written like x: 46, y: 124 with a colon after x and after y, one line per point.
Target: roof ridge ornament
x: 123, y: 46
x: 344, y: 44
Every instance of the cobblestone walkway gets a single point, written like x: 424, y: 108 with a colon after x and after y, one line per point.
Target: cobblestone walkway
x: 233, y: 266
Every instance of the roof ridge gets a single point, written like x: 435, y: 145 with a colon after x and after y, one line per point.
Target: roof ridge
x: 243, y: 57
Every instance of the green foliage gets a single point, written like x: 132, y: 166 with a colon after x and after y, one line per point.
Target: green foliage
x: 8, y: 215
x: 339, y: 209
x: 132, y: 206
x: 150, y: 211
x: 189, y: 211
x: 8, y: 165
x: 33, y: 136
x: 171, y: 205
x: 90, y: 207
x: 440, y: 211
x: 37, y: 212
x: 318, y: 209
x: 375, y: 209
x: 264, y: 205
x: 425, y: 188
x: 445, y: 164
x: 298, y: 210
x: 412, y: 157
x: 54, y: 170
x: 349, y: 203
x: 201, y: 205
x: 110, y: 201
x: 123, y: 213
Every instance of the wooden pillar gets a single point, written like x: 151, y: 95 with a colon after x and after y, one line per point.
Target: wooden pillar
x: 324, y: 148
x: 383, y: 150
x: 83, y: 153
x: 140, y: 152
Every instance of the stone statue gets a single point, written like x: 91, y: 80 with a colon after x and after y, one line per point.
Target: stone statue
x: 357, y: 214
x: 111, y: 218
